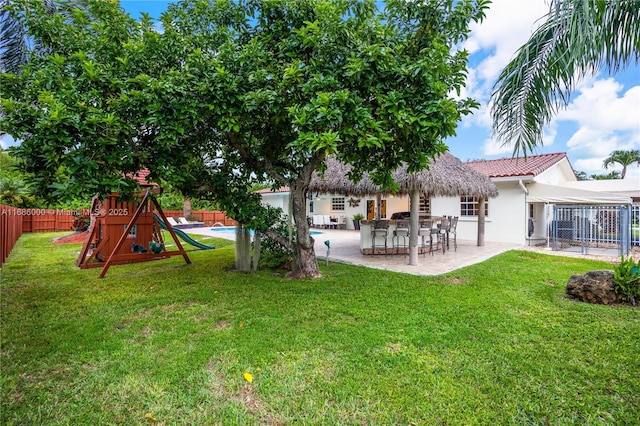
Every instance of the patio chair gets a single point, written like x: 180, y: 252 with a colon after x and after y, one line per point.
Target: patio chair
x: 172, y: 221
x: 342, y: 222
x: 380, y: 229
x: 317, y: 221
x: 183, y: 221
x: 401, y: 231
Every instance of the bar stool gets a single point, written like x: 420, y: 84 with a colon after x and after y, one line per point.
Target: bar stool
x: 445, y: 226
x: 380, y: 229
x: 426, y: 230
x: 401, y: 231
x: 452, y: 230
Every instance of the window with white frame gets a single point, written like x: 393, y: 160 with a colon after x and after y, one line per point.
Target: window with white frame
x: 337, y: 203
x: 425, y: 205
x: 469, y: 206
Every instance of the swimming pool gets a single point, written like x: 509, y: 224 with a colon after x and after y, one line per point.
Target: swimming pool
x: 233, y: 229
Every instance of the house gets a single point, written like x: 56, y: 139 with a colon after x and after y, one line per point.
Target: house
x: 276, y: 198
x: 521, y: 213
x: 530, y: 187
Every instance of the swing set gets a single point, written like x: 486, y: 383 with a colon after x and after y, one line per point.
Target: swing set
x: 126, y: 231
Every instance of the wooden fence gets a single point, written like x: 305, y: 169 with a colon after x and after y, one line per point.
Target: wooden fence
x: 210, y: 218
x: 49, y: 220
x: 10, y: 230
x: 14, y: 221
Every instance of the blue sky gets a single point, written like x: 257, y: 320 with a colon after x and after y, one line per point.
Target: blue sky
x: 604, y: 113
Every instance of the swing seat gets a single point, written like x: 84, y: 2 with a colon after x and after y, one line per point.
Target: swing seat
x: 155, y: 247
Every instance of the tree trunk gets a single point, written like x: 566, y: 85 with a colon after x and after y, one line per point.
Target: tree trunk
x: 243, y: 249
x: 256, y: 251
x: 414, y: 225
x: 306, y: 265
x: 186, y: 207
x: 481, y: 221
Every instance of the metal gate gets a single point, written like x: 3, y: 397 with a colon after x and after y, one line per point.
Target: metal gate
x: 583, y: 228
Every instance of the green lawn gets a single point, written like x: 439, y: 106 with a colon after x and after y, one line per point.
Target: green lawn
x: 495, y: 343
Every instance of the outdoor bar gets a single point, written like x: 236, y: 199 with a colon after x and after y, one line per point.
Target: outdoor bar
x: 446, y: 175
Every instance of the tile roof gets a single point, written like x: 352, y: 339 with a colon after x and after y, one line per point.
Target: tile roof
x: 532, y: 165
x: 141, y: 177
x: 271, y: 191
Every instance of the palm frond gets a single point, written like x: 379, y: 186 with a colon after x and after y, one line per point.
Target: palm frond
x: 14, y: 40
x: 576, y: 39
x: 13, y: 44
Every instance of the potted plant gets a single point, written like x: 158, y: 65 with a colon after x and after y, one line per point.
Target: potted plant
x: 356, y: 221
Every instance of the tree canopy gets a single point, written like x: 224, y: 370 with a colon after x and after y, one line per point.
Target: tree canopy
x: 234, y: 93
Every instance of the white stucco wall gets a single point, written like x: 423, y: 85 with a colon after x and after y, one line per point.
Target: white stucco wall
x: 506, y: 221
x: 277, y: 199
x: 558, y: 173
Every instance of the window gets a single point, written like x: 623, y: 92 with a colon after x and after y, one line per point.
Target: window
x: 469, y: 206
x: 132, y: 232
x: 337, y: 203
x: 425, y: 205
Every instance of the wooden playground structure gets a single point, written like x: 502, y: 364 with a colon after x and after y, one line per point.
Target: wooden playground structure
x: 127, y: 231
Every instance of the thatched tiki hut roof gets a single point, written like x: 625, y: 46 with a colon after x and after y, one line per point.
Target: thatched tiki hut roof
x: 446, y: 176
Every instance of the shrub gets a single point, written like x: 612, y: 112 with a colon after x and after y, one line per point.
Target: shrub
x: 81, y: 223
x: 626, y: 277
x: 274, y: 255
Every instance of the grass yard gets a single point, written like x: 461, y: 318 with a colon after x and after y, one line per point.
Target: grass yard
x: 168, y: 344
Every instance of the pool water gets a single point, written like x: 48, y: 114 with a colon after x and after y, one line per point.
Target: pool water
x: 233, y: 229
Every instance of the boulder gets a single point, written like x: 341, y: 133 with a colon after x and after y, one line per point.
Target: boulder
x: 594, y: 287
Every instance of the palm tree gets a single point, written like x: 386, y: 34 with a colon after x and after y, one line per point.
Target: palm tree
x: 624, y: 158
x: 614, y: 174
x: 576, y: 39
x: 14, y: 192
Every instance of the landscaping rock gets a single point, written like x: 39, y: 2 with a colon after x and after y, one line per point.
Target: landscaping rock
x: 594, y: 287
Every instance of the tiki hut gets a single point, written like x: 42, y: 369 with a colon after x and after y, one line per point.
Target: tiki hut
x: 446, y: 176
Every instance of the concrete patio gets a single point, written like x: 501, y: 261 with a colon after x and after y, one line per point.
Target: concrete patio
x: 345, y: 248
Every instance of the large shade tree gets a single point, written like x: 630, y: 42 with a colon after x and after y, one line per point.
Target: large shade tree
x: 231, y: 93
x: 576, y: 39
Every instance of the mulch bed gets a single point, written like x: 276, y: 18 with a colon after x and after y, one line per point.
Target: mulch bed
x: 75, y: 238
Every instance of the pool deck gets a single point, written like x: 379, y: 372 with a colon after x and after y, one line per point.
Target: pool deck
x: 345, y: 248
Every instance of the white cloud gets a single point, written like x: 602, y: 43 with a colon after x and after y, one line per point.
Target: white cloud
x: 507, y: 26
x: 493, y: 147
x: 598, y: 105
x: 606, y: 120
